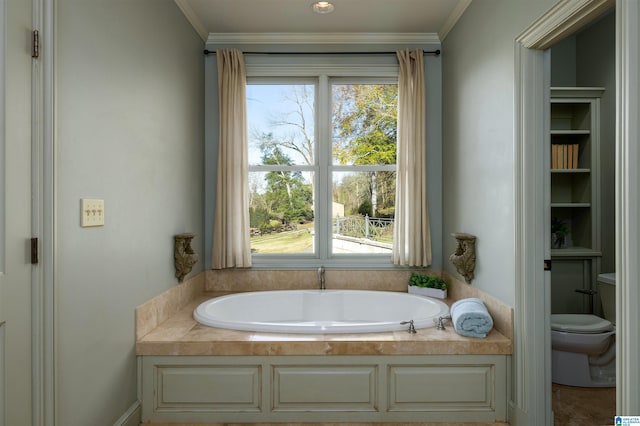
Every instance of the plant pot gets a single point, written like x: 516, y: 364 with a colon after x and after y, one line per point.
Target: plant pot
x: 561, y: 241
x: 429, y: 292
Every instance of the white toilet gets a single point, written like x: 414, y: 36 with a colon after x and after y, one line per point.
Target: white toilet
x: 583, y: 345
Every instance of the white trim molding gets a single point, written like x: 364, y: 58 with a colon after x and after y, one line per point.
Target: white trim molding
x: 627, y: 206
x: 453, y: 18
x: 42, y: 221
x: 131, y: 417
x: 531, y: 402
x: 323, y: 38
x: 564, y: 19
x: 193, y: 18
x: 3, y: 101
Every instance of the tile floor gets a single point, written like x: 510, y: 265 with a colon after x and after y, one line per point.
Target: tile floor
x: 574, y: 406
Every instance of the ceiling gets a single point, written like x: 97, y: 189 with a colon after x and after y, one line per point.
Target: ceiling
x: 296, y: 16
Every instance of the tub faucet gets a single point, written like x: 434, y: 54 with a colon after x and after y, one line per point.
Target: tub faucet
x: 321, y: 278
x: 412, y: 328
x: 440, y: 321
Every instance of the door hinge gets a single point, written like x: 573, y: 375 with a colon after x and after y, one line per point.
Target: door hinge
x: 34, y: 251
x: 35, y: 44
x: 547, y: 264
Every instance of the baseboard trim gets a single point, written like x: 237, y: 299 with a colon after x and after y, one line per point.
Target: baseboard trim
x: 516, y: 415
x: 131, y: 417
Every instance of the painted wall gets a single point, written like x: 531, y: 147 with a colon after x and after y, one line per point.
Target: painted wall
x: 563, y: 63
x: 478, y: 136
x: 129, y: 117
x: 596, y: 66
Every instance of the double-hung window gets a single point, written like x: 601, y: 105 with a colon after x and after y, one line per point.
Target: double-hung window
x: 322, y: 150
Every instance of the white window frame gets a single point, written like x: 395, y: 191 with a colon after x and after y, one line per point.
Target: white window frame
x: 321, y: 69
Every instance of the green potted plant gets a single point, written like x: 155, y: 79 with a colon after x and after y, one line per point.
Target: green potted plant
x: 559, y: 232
x: 428, y: 285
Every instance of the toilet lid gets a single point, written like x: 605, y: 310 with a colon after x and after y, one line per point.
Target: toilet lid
x: 580, y: 323
x: 608, y: 278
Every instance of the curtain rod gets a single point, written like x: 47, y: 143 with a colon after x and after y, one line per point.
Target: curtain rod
x: 430, y: 52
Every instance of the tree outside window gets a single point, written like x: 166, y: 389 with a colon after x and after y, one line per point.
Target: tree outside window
x: 285, y: 163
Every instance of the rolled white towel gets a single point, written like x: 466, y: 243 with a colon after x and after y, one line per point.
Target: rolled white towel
x: 471, y: 318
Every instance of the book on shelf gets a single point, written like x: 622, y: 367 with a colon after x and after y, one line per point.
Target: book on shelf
x: 572, y: 156
x: 564, y: 156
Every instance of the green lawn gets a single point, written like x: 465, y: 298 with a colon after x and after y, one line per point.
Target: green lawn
x: 300, y: 241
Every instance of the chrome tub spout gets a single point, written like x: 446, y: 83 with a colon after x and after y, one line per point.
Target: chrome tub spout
x: 321, y: 278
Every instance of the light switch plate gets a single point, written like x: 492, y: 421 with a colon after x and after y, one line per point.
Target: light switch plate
x: 91, y: 212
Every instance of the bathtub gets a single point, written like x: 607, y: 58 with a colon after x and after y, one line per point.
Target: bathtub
x: 320, y: 311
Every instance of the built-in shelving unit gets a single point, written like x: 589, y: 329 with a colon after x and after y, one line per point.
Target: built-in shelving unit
x: 575, y: 115
x: 575, y: 192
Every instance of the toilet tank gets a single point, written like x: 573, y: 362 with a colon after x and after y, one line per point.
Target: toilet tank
x: 607, y: 291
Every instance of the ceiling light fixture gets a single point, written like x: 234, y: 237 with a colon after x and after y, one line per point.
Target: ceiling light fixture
x: 323, y: 7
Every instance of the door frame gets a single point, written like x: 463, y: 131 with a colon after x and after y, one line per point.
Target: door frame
x: 3, y: 101
x: 532, y: 347
x: 42, y: 222
x: 627, y: 206
x: 531, y: 402
x: 3, y: 29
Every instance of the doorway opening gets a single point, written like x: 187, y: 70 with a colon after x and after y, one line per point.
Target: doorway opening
x: 582, y: 211
x: 532, y: 314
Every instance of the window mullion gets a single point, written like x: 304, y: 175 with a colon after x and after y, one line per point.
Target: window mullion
x: 323, y: 147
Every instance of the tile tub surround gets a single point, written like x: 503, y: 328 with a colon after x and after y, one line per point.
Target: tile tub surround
x: 501, y: 313
x: 165, y: 324
x: 154, y: 312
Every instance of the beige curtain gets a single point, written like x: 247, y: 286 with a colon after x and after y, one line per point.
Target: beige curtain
x: 231, y: 246
x: 412, y: 236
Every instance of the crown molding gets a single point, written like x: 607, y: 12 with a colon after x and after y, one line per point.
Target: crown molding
x: 193, y: 18
x: 453, y: 18
x: 322, y: 38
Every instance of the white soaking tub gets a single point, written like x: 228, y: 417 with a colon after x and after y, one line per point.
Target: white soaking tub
x: 320, y: 311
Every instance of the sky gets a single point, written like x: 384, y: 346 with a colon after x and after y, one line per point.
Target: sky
x: 266, y: 103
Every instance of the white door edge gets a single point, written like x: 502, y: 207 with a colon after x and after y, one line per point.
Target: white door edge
x: 43, y: 179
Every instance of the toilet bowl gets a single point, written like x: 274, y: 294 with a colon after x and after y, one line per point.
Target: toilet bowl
x: 583, y: 345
